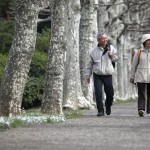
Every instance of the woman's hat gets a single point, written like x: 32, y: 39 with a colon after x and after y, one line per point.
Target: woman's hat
x: 145, y: 37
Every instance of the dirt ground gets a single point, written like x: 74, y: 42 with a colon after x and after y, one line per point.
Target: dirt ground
x: 122, y: 130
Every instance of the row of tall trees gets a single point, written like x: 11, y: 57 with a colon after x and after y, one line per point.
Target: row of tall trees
x: 74, y: 25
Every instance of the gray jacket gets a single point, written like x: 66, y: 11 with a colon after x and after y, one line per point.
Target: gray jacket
x: 140, y: 70
x: 100, y: 64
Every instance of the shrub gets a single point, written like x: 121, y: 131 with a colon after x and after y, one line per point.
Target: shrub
x: 33, y: 92
x: 6, y: 35
x: 38, y: 64
x: 34, y: 88
x: 42, y: 42
x: 3, y: 59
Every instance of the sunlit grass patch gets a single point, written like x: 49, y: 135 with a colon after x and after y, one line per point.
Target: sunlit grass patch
x: 16, y: 123
x: 70, y: 114
x: 36, y: 117
x: 121, y: 101
x: 3, y: 126
x: 50, y: 120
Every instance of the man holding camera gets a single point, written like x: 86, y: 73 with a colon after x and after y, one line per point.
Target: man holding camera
x: 101, y: 65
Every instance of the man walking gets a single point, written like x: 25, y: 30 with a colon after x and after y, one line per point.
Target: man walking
x: 101, y: 64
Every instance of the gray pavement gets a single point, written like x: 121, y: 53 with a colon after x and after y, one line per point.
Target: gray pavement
x: 122, y: 130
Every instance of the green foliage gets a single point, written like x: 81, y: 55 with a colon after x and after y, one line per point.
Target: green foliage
x: 14, y: 124
x: 34, y: 88
x: 7, y: 8
x: 38, y: 64
x: 33, y: 92
x: 17, y: 123
x: 7, y: 26
x: 6, y: 35
x: 43, y: 39
x: 3, y: 59
x: 3, y: 5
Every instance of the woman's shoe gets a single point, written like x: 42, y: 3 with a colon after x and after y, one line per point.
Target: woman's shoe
x: 141, y: 113
x: 108, y: 110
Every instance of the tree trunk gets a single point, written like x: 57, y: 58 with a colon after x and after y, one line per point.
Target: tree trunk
x: 73, y: 95
x: 20, y: 57
x: 53, y: 95
x: 88, y: 31
x: 102, y: 18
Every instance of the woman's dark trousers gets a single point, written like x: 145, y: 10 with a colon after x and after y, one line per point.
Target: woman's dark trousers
x: 143, y: 91
x: 99, y: 81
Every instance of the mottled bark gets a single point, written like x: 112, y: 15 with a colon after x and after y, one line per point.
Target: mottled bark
x: 88, y: 31
x: 73, y: 95
x: 20, y: 56
x: 124, y: 22
x: 53, y: 94
x: 102, y: 16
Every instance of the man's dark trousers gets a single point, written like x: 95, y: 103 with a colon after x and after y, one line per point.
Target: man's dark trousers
x: 99, y: 81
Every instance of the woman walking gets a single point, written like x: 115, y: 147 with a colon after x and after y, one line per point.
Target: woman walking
x: 140, y: 74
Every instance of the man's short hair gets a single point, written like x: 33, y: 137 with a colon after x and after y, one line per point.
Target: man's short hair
x: 100, y: 34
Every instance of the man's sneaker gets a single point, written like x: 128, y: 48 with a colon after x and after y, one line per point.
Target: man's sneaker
x: 100, y: 114
x: 108, y: 110
x: 141, y: 113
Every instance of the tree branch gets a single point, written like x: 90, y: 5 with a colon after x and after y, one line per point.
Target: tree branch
x: 44, y: 20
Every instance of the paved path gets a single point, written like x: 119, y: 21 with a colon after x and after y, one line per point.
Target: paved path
x: 122, y: 130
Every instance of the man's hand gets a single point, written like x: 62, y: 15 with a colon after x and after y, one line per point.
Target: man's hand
x: 87, y: 78
x: 109, y: 53
x: 131, y: 80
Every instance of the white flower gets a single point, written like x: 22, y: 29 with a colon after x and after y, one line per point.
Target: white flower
x: 32, y: 119
x: 2, y: 120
